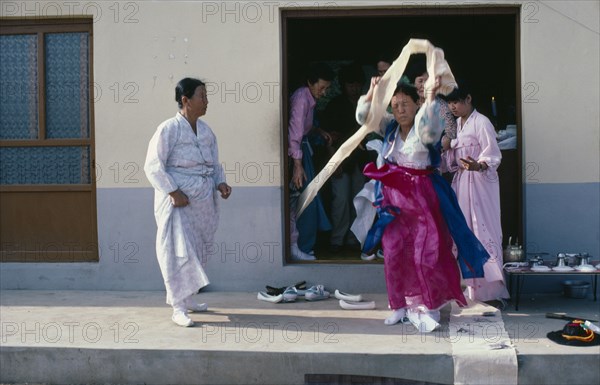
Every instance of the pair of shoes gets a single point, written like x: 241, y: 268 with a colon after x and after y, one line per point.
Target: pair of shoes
x: 299, y: 255
x: 353, y: 301
x: 182, y: 319
x: 300, y: 286
x: 366, y: 257
x: 347, y: 297
x: 269, y: 298
x: 316, y: 293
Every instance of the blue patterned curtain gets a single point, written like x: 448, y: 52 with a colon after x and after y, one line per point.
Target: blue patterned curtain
x: 67, y: 85
x: 44, y: 165
x: 19, y: 87
x: 67, y: 114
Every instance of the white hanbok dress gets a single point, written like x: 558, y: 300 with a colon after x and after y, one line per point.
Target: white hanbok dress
x: 179, y: 159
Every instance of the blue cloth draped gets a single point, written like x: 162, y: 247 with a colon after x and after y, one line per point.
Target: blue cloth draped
x: 313, y: 218
x: 471, y: 253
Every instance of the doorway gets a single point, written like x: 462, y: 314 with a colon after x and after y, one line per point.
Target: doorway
x: 481, y: 45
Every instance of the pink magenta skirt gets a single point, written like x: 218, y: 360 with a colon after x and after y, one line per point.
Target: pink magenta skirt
x: 420, y: 268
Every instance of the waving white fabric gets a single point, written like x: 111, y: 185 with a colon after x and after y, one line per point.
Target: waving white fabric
x: 437, y: 67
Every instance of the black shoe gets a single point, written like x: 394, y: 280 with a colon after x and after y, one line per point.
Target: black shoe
x: 279, y: 290
x: 275, y: 290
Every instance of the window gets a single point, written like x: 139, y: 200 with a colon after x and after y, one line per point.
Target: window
x: 47, y: 182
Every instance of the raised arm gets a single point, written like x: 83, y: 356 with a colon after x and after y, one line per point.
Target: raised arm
x: 364, y: 105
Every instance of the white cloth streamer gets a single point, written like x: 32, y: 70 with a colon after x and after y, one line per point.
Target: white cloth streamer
x: 437, y: 67
x: 481, y: 348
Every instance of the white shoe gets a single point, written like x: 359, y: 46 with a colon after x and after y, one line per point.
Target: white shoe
x: 350, y: 305
x: 269, y: 298
x: 366, y: 257
x: 424, y: 321
x: 196, y: 307
x: 181, y: 319
x: 290, y: 294
x: 299, y: 255
x: 316, y: 293
x: 347, y: 297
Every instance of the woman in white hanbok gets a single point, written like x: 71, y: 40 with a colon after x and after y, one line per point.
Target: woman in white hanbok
x: 182, y: 164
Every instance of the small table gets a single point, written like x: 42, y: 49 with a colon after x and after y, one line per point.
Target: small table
x: 521, y: 272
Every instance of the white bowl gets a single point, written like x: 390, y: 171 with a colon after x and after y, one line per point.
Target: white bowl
x: 585, y: 268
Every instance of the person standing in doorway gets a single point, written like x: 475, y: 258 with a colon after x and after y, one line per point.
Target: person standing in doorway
x: 301, y: 127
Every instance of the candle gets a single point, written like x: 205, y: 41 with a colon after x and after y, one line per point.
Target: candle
x: 494, y: 112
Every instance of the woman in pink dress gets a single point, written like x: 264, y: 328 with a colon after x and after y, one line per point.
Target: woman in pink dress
x: 421, y: 271
x: 474, y: 156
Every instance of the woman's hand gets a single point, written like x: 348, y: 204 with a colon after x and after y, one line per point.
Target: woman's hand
x: 432, y: 89
x: 374, y: 81
x: 299, y: 176
x: 471, y: 164
x: 179, y: 199
x: 224, y: 189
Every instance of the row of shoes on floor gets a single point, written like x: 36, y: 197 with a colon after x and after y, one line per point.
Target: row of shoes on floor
x: 314, y: 293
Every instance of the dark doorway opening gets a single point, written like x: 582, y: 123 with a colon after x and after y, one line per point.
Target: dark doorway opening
x: 481, y: 44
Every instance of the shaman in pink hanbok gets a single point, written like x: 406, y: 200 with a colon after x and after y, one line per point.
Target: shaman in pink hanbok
x: 421, y: 271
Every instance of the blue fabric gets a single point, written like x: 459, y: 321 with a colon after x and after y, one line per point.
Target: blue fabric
x: 385, y: 215
x: 313, y: 218
x: 471, y: 253
x: 435, y: 154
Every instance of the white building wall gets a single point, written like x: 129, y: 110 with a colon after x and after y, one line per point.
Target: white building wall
x: 142, y: 48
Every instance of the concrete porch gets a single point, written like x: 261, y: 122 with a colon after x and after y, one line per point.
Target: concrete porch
x: 75, y: 337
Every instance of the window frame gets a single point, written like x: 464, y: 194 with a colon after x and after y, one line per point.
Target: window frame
x: 41, y: 26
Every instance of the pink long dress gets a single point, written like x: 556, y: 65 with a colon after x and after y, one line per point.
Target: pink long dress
x: 478, y: 195
x: 420, y: 268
